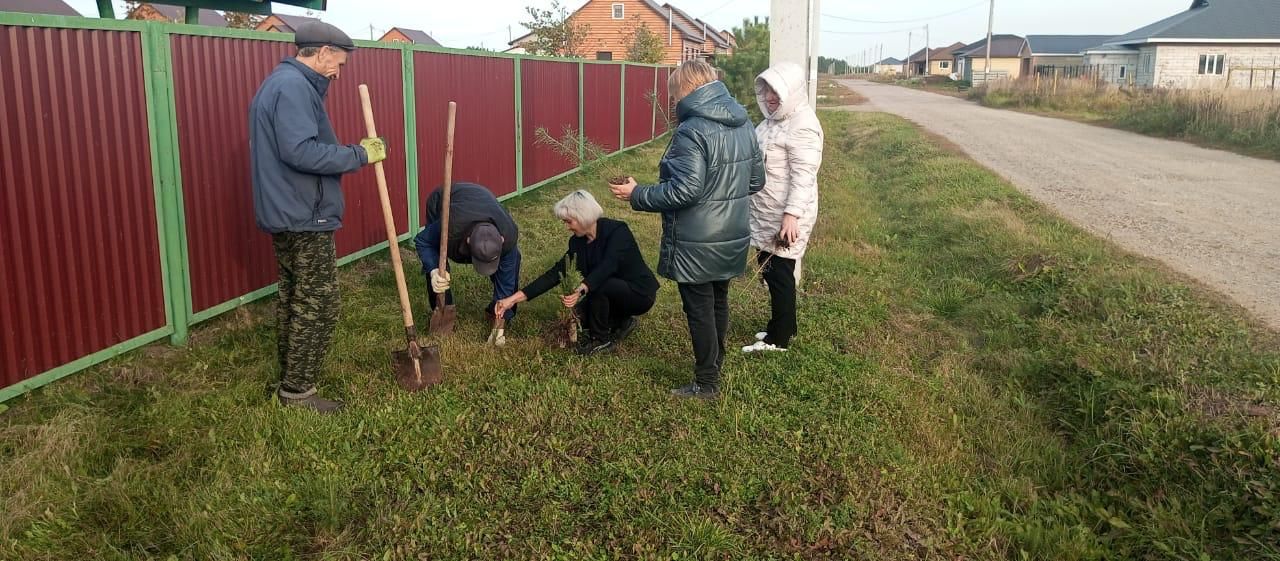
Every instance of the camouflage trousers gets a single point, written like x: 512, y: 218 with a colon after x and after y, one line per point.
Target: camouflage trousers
x: 307, y: 307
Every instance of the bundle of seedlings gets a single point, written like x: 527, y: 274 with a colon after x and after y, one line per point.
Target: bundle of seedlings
x: 564, y: 333
x: 592, y: 160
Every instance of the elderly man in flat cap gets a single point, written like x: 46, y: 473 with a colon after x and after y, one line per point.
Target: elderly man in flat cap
x: 297, y: 166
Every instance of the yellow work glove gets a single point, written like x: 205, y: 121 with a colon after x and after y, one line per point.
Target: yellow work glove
x: 375, y: 149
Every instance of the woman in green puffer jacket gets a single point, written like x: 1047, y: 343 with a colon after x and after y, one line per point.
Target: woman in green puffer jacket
x: 706, y: 178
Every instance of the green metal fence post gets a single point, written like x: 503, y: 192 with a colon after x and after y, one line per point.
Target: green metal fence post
x: 410, y: 137
x: 622, y: 110
x: 582, y: 104
x: 157, y: 61
x: 653, y: 121
x: 519, y: 131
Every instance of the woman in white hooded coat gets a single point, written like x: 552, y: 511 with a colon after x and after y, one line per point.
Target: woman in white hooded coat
x: 784, y: 212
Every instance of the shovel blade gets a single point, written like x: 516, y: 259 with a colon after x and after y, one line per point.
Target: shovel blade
x: 442, y: 320
x: 419, y: 370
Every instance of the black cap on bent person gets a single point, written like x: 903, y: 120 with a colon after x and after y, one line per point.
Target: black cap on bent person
x: 485, y: 245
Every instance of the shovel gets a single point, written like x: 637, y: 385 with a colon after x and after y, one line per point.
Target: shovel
x: 443, y: 318
x: 417, y: 366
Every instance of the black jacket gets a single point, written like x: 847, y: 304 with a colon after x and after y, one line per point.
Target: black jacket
x: 613, y: 254
x: 295, y: 156
x: 710, y: 169
x: 470, y: 204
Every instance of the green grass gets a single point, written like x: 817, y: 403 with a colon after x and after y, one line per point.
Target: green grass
x: 1241, y: 121
x: 974, y: 379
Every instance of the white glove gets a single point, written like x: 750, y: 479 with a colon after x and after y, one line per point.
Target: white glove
x: 439, y: 281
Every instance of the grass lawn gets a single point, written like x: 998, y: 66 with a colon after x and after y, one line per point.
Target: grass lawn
x: 832, y: 93
x: 975, y: 379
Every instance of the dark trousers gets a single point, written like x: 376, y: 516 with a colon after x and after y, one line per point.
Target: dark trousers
x: 706, y: 306
x: 306, y: 309
x: 606, y: 308
x: 780, y: 275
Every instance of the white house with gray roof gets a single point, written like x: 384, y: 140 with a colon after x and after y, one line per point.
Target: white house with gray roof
x: 1214, y: 44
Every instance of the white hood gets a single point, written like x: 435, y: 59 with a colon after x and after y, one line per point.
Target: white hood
x: 786, y: 78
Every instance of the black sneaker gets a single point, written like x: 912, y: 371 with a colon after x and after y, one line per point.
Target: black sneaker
x: 623, y: 331
x: 314, y: 403
x: 591, y: 346
x: 698, y: 391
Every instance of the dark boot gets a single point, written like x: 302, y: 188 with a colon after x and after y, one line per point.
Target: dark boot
x: 590, y: 345
x: 624, y: 330
x: 314, y: 403
x: 698, y: 391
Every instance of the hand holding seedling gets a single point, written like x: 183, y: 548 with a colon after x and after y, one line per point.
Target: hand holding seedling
x: 790, y: 231
x: 571, y: 299
x: 623, y: 192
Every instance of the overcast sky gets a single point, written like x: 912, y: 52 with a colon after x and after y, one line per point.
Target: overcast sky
x: 486, y: 22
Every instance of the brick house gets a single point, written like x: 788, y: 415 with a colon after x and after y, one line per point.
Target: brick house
x: 283, y: 23
x: 610, y: 24
x: 1213, y: 44
x: 176, y: 14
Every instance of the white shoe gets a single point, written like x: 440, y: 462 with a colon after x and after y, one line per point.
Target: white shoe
x: 761, y: 335
x: 761, y: 346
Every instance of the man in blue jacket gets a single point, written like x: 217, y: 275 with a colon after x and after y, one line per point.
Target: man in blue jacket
x: 482, y: 234
x: 297, y: 197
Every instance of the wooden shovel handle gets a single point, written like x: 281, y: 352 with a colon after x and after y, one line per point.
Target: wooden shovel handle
x: 446, y: 196
x: 388, y: 216
x: 448, y: 188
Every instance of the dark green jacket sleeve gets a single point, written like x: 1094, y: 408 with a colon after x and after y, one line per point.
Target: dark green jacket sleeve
x: 757, y: 170
x: 686, y: 183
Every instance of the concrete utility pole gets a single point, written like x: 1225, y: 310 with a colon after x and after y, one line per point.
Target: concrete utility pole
x: 991, y: 20
x: 909, y: 34
x: 794, y: 37
x: 927, y: 69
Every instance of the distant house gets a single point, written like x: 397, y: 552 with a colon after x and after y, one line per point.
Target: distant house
x: 1006, y: 58
x: 283, y: 23
x: 1214, y: 44
x: 176, y: 14
x: 611, y: 22
x: 887, y: 66
x: 1063, y: 55
x: 48, y: 7
x: 728, y: 36
x: 712, y: 41
x: 939, y: 60
x: 406, y: 35
x: 520, y: 45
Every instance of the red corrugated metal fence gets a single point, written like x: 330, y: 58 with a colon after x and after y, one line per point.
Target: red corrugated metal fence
x: 484, y: 140
x: 552, y: 104
x: 80, y: 254
x: 602, y: 100
x: 639, y: 119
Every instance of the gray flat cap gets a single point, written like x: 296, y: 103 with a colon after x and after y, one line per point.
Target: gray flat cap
x: 321, y: 34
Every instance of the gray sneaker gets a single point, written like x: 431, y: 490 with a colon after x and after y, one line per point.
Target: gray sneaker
x: 314, y: 403
x: 698, y: 391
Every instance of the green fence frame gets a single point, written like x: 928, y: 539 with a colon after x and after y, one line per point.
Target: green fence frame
x: 158, y: 82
